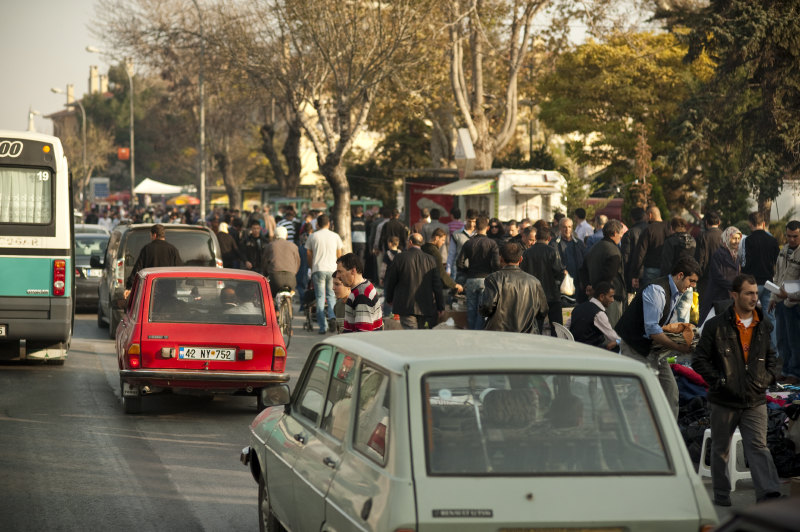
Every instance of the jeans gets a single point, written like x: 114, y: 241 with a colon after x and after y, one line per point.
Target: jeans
x: 323, y: 287
x: 752, y: 423
x: 474, y: 292
x: 763, y: 296
x: 788, y: 327
x: 302, y: 277
x: 648, y: 276
x: 412, y: 322
x: 684, y: 306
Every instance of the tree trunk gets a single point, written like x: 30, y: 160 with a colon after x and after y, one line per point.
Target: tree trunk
x: 268, y: 147
x: 340, y: 213
x: 291, y: 151
x: 765, y: 208
x: 225, y: 165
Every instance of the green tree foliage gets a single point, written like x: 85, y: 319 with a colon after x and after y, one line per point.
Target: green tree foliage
x: 603, y: 90
x: 749, y: 112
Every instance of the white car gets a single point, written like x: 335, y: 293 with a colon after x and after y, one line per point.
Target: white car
x: 91, y: 229
x: 472, y: 430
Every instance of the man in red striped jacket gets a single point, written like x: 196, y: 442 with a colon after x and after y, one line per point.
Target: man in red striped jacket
x: 362, y: 309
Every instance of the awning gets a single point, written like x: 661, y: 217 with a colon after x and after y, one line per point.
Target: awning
x: 465, y: 187
x: 537, y: 190
x: 148, y: 186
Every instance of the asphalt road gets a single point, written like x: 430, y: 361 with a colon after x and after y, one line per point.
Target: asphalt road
x: 70, y: 459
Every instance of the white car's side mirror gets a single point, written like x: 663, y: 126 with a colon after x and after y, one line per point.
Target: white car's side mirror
x: 277, y: 395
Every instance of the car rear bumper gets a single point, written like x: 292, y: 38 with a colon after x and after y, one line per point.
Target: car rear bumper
x: 216, y: 377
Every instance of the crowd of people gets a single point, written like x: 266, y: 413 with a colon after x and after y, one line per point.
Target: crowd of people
x: 632, y: 291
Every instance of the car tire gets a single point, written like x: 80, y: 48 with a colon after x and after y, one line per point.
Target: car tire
x: 112, y: 326
x: 100, y: 321
x: 267, y: 522
x: 132, y: 405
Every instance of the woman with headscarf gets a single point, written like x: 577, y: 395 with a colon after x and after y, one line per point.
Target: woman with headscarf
x: 496, y: 231
x: 722, y: 270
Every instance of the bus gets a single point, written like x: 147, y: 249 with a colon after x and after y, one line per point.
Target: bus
x: 37, y: 253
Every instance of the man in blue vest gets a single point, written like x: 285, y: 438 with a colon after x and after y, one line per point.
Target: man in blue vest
x: 652, y: 308
x: 589, y: 322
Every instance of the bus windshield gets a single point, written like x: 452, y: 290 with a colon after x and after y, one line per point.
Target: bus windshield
x: 25, y: 195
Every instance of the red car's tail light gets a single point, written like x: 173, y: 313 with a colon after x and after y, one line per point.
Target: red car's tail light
x: 279, y: 359
x: 59, y: 277
x: 133, y: 356
x: 378, y: 439
x: 77, y: 272
x: 119, y: 271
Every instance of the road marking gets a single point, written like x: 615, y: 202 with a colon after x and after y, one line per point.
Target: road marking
x: 163, y: 439
x: 4, y: 418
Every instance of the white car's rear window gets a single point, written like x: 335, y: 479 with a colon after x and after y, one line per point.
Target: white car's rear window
x: 192, y: 300
x: 540, y: 424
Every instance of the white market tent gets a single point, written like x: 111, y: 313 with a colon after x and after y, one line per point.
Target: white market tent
x: 148, y: 186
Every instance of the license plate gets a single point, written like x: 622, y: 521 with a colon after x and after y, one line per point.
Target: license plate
x: 94, y: 273
x: 128, y: 390
x: 2, y: 330
x: 207, y: 353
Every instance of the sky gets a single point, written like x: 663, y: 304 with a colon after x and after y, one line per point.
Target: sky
x: 44, y: 45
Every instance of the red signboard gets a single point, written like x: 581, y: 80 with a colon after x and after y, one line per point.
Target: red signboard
x: 417, y: 200
x: 123, y: 154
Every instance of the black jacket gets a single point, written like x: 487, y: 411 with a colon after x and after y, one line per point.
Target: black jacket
x: 560, y: 245
x: 479, y: 257
x: 412, y: 285
x: 513, y: 301
x: 719, y: 359
x: 650, y: 247
x: 156, y: 254
x: 707, y: 244
x: 627, y: 247
x: 543, y: 262
x: 253, y: 249
x: 676, y: 245
x: 722, y: 270
x: 434, y: 252
x: 604, y: 263
x: 394, y: 227
x: 760, y: 255
x: 229, y: 250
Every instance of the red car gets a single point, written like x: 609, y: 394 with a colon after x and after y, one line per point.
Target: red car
x: 199, y: 331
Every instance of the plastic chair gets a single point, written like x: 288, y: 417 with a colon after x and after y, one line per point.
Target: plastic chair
x: 563, y: 333
x: 733, y: 473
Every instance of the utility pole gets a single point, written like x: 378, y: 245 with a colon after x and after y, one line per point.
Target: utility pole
x: 202, y: 118
x: 83, y: 139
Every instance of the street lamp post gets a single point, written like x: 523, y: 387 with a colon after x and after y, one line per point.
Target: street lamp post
x: 128, y: 68
x: 31, y: 112
x: 83, y: 138
x: 202, y: 118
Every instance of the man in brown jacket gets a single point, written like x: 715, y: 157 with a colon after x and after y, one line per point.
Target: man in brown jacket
x: 281, y: 262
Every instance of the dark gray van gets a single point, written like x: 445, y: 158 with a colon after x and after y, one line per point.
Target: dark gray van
x: 197, y: 245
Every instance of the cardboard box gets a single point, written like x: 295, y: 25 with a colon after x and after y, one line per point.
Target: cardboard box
x: 459, y: 317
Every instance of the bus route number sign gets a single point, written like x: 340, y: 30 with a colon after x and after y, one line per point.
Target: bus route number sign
x: 21, y: 242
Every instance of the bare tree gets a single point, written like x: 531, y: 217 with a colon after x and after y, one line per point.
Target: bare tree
x: 340, y: 53
x: 99, y: 145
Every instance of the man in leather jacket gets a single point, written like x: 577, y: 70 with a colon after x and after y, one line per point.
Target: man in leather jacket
x: 543, y: 262
x: 735, y: 358
x: 513, y: 301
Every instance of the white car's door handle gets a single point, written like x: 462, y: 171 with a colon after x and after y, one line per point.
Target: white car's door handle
x: 330, y: 462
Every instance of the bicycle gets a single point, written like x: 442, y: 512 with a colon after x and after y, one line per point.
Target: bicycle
x: 285, y: 314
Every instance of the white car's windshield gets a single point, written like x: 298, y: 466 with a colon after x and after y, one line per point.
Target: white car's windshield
x: 190, y: 300
x: 540, y: 424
